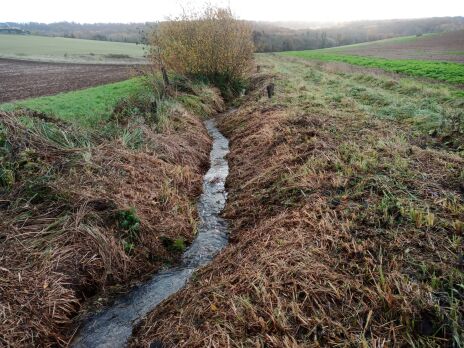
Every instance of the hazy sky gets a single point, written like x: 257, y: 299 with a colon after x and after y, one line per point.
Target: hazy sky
x: 91, y: 11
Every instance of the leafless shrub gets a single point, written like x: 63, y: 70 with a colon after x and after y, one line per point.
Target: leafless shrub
x: 211, y: 45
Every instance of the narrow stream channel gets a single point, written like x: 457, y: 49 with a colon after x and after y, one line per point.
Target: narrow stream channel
x: 112, y: 327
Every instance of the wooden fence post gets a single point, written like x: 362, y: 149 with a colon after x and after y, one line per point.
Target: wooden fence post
x: 270, y: 90
x: 165, y: 77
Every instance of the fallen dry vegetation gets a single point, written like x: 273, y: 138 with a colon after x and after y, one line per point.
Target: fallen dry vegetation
x: 347, y: 228
x: 85, y: 214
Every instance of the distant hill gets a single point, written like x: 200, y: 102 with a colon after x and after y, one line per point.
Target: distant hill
x: 448, y: 46
x: 122, y: 32
x: 268, y: 36
x: 12, y: 30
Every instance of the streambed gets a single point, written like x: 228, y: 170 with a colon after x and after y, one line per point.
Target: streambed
x: 112, y: 327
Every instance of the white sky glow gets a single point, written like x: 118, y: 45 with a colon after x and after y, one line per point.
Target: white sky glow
x: 92, y: 11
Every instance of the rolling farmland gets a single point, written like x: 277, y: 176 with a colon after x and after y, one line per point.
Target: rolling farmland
x: 222, y: 198
x: 439, y: 56
x: 33, y: 66
x: 448, y: 47
x: 59, y: 49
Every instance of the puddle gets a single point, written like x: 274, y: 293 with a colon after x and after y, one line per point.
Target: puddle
x: 112, y: 327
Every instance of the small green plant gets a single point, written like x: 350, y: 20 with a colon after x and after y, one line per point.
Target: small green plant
x: 174, y: 245
x: 129, y: 222
x: 132, y: 139
x: 128, y: 247
x: 179, y: 245
x: 7, y: 178
x: 390, y: 208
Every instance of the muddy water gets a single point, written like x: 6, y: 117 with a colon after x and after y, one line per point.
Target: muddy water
x: 112, y: 327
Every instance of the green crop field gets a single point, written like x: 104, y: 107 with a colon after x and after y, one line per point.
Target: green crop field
x: 436, y: 56
x: 59, y: 49
x: 443, y: 71
x: 85, y: 107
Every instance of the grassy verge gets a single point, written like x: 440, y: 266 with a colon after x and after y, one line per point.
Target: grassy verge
x: 86, y: 107
x: 431, y: 109
x: 347, y: 222
x: 91, y: 194
x: 442, y: 71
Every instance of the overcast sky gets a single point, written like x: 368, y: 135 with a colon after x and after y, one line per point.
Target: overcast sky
x: 91, y: 11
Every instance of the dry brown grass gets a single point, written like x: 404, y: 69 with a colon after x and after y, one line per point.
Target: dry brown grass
x: 60, y: 239
x: 344, y: 233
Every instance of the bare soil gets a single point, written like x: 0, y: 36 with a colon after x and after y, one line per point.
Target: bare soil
x: 21, y: 79
x: 442, y: 47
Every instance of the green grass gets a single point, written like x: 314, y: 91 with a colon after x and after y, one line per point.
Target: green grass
x: 68, y: 50
x: 86, y: 107
x: 443, y: 71
x: 428, y: 107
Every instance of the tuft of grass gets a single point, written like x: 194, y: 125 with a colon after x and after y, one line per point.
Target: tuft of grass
x: 132, y: 139
x: 174, y: 245
x: 129, y: 222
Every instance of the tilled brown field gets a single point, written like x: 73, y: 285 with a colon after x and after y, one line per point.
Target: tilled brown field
x: 443, y: 47
x: 25, y: 79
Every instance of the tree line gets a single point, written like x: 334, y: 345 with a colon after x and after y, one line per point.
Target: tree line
x: 267, y: 37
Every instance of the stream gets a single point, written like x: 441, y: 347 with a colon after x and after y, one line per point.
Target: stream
x: 112, y: 327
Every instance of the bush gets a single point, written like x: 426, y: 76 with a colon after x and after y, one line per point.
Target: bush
x: 211, y: 46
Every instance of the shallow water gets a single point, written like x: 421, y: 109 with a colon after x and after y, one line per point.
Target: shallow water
x: 112, y: 327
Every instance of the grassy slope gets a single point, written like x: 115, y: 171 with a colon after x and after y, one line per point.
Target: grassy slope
x: 347, y: 220
x: 86, y: 107
x: 353, y: 54
x: 44, y: 48
x: 395, y: 40
x: 443, y: 71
